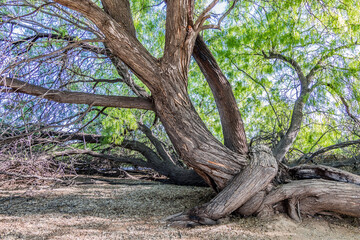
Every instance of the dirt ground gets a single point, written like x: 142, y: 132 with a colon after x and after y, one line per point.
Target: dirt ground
x: 109, y: 208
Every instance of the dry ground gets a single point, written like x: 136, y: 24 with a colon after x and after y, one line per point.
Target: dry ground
x: 134, y: 209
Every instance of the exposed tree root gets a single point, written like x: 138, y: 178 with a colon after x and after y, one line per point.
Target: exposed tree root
x: 253, y: 179
x: 252, y: 192
x: 311, y: 197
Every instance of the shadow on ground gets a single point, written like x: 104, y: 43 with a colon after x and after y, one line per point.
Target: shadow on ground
x: 131, y: 209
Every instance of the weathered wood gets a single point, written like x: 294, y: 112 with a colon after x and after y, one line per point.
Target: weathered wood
x: 225, y: 170
x: 252, y: 205
x: 195, y: 144
x: 253, y: 179
x: 114, y: 7
x: 315, y: 196
x: 324, y: 172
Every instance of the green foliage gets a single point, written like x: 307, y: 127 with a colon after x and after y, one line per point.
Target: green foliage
x: 117, y: 123
x: 320, y: 35
x: 266, y: 90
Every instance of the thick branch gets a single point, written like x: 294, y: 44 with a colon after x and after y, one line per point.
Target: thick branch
x: 180, y: 35
x: 113, y: 7
x: 324, y: 172
x: 231, y: 121
x: 347, y: 162
x: 121, y: 42
x: 157, y: 144
x: 76, y: 97
x: 315, y: 196
x: 295, y: 124
x: 253, y: 179
x: 164, y: 166
x: 121, y: 68
x: 140, y: 147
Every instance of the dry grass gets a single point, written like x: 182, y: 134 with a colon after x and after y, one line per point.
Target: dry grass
x: 133, y: 209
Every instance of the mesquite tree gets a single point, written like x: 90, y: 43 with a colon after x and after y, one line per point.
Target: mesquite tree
x: 248, y: 180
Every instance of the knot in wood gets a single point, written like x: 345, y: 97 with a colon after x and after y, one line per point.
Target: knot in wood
x: 263, y: 156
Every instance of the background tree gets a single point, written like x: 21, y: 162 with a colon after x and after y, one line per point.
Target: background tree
x: 279, y: 56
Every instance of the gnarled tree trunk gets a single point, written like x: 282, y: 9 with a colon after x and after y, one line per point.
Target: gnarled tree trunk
x: 244, y: 181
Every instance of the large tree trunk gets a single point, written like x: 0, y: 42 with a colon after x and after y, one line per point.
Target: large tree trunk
x: 243, y: 181
x: 213, y: 161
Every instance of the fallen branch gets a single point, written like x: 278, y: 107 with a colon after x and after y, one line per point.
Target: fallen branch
x: 32, y: 176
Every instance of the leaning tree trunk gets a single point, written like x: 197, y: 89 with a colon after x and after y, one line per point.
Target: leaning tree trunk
x: 244, y: 182
x: 190, y: 137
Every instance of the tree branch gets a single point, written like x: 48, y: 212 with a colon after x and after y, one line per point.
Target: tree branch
x: 295, y: 124
x: 319, y: 65
x: 323, y: 172
x: 180, y: 35
x: 231, y: 121
x: 76, y: 97
x: 218, y: 25
x: 163, y: 166
x: 297, y: 115
x: 70, y: 39
x: 329, y: 148
x: 119, y: 159
x: 292, y: 62
x: 122, y: 43
x: 204, y: 15
x: 157, y: 144
x: 344, y: 102
x: 31, y: 176
x: 112, y: 7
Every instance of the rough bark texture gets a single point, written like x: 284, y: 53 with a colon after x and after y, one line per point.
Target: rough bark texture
x: 254, y: 178
x: 231, y: 121
x: 240, y: 181
x: 112, y: 7
x: 196, y: 145
x: 249, y: 182
x: 323, y: 172
x: 76, y: 97
x: 313, y: 196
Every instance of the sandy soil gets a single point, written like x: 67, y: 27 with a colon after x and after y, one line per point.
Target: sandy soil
x: 132, y: 209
